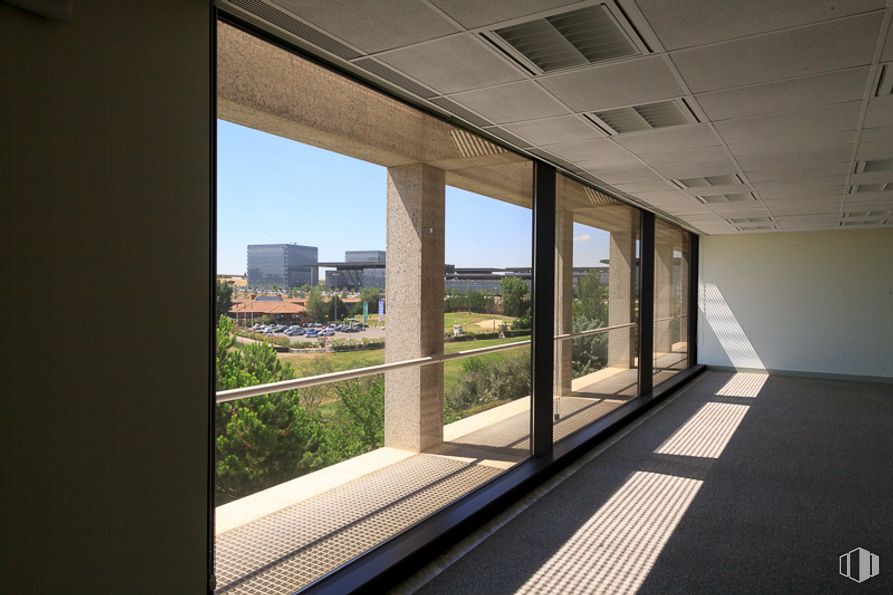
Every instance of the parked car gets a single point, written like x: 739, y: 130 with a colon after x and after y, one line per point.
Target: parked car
x: 329, y: 332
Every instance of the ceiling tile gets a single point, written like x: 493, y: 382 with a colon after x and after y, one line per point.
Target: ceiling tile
x: 684, y: 23
x: 877, y: 134
x: 462, y: 63
x: 675, y: 138
x: 628, y: 177
x: 778, y: 159
x: 882, y: 149
x: 373, y: 26
x: 473, y: 13
x: 631, y: 82
x: 880, y: 113
x: 563, y: 129
x: 656, y: 185
x: 776, y: 145
x: 594, y: 155
x: 888, y: 48
x: 716, y: 166
x: 800, y: 171
x: 822, y: 89
x: 513, y: 102
x: 829, y: 118
x: 870, y: 199
x: 811, y: 193
x: 664, y: 158
x: 803, y: 181
x: 796, y: 208
x: 818, y: 185
x: 781, y: 55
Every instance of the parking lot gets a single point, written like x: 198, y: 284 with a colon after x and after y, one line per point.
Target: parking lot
x: 316, y: 331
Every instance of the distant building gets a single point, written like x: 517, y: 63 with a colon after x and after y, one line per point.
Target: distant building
x: 280, y: 308
x: 283, y: 265
x: 377, y: 256
x: 355, y: 272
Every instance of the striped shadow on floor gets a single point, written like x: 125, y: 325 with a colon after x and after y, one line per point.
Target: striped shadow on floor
x: 742, y: 483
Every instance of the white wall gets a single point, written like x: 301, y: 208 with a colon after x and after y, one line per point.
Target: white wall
x: 819, y: 302
x: 105, y: 186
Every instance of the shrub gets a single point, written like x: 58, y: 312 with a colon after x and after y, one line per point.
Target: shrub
x: 486, y: 383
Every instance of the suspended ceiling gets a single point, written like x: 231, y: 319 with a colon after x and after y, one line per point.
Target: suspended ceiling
x: 729, y: 116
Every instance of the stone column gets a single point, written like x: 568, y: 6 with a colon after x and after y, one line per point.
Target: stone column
x: 564, y: 299
x: 663, y: 295
x: 414, y: 293
x: 621, y: 286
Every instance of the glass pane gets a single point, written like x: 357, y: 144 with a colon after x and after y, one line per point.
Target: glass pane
x: 355, y: 231
x: 596, y: 307
x: 671, y: 255
x: 487, y: 305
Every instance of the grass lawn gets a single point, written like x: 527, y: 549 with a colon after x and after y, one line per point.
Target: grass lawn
x: 346, y: 360
x: 473, y: 322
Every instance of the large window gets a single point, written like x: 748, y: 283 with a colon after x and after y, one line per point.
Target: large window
x: 377, y: 316
x: 671, y: 261
x: 375, y: 268
x: 596, y: 302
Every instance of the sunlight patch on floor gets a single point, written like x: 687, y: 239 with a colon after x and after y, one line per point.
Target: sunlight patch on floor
x: 744, y: 384
x: 707, y: 433
x: 614, y: 551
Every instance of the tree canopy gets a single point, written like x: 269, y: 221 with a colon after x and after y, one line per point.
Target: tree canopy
x: 513, y: 291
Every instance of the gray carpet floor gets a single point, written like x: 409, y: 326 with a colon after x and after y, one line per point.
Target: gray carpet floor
x: 731, y: 487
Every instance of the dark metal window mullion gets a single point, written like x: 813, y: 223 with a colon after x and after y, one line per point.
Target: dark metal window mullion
x: 543, y: 309
x: 693, y: 255
x: 646, y: 304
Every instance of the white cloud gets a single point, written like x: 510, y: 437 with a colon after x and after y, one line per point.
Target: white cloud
x: 582, y: 238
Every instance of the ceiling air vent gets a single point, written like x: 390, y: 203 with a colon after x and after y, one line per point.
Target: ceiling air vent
x: 713, y: 199
x: 708, y: 181
x: 290, y: 24
x: 585, y: 36
x: 757, y: 227
x: 644, y: 117
x: 748, y: 220
x: 852, y: 218
x: 853, y: 223
x: 884, y: 86
x: 879, y: 187
x: 864, y: 167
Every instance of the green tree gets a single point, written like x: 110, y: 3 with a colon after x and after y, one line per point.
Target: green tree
x: 591, y: 301
x: 371, y: 295
x: 316, y: 307
x: 357, y: 425
x: 224, y: 302
x: 513, y: 291
x: 339, y: 310
x: 263, y: 440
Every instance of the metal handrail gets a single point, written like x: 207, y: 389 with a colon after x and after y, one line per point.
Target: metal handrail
x: 236, y: 394
x: 594, y: 331
x: 671, y: 318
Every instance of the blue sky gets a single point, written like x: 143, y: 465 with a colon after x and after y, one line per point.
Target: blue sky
x: 273, y: 190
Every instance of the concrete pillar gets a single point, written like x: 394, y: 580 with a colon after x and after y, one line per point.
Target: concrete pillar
x: 564, y: 299
x: 663, y: 296
x: 621, y: 286
x: 414, y: 291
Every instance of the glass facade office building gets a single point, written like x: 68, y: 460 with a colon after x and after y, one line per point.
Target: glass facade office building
x: 283, y: 265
